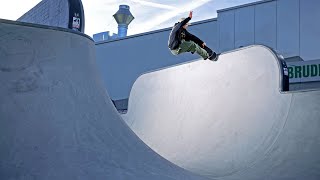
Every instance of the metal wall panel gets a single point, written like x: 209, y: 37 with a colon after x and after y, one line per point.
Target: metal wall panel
x: 309, y: 29
x: 288, y: 27
x: 226, y: 30
x: 266, y: 24
x: 244, y: 26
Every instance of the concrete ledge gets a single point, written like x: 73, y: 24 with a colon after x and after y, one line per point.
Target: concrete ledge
x: 18, y: 23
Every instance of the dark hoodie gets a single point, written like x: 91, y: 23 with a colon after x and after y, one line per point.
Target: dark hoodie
x: 178, y: 33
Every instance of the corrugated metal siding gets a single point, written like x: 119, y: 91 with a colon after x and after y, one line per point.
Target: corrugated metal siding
x: 226, y: 30
x: 244, y: 26
x: 266, y: 24
x: 310, y: 29
x: 288, y: 27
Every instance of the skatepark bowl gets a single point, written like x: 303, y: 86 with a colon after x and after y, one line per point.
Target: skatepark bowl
x: 199, y: 120
x: 56, y: 119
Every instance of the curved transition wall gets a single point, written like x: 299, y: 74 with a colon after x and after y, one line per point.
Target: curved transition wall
x: 228, y: 119
x: 59, y: 13
x: 56, y: 119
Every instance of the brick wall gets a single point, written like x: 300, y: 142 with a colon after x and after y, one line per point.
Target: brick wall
x: 48, y: 12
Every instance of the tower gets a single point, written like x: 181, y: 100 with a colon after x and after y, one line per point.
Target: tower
x: 123, y: 17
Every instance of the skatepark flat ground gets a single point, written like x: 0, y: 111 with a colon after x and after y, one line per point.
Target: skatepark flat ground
x: 219, y: 120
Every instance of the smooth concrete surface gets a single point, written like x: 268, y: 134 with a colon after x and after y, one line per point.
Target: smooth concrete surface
x: 228, y: 119
x: 56, y: 119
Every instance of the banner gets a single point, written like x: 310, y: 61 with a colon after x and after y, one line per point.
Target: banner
x: 304, y: 71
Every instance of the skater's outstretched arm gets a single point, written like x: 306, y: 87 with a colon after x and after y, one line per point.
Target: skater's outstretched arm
x: 182, y: 23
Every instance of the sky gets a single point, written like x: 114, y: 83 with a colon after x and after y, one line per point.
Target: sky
x: 149, y: 14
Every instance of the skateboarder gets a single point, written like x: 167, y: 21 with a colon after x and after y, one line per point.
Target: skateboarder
x: 180, y: 41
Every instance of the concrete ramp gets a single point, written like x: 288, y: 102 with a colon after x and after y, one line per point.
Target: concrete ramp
x: 56, y: 119
x: 229, y: 119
